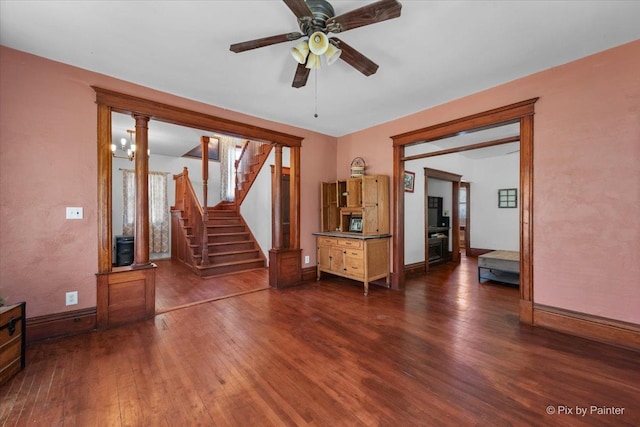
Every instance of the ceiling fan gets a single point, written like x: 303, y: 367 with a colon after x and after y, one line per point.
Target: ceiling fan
x: 316, y: 19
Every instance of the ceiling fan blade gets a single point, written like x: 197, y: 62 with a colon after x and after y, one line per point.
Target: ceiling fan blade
x: 302, y: 74
x: 299, y: 8
x: 265, y: 41
x: 366, y: 15
x: 355, y: 58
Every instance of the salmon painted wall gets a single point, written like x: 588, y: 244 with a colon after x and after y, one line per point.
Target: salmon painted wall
x: 48, y: 160
x: 586, y: 176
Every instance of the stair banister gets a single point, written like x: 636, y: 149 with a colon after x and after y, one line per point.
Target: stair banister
x: 187, y: 201
x: 248, y: 164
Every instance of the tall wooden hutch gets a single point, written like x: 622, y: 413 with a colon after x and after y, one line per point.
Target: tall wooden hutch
x: 354, y: 238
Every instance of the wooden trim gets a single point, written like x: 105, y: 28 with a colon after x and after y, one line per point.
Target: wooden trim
x: 464, y: 148
x: 60, y: 324
x: 397, y: 243
x: 294, y: 197
x: 129, y: 104
x: 443, y: 175
x: 610, y: 331
x: 126, y: 295
x: 415, y: 269
x: 309, y: 274
x: 492, y: 118
x: 109, y: 101
x: 467, y: 223
x: 105, y: 251
x: 526, y: 217
x: 285, y: 268
x: 519, y: 112
x: 455, y: 220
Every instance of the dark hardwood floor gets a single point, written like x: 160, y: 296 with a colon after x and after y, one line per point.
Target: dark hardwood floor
x: 178, y: 287
x: 447, y: 351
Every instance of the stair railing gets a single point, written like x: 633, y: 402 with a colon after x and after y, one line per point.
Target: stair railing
x: 187, y: 201
x: 252, y: 157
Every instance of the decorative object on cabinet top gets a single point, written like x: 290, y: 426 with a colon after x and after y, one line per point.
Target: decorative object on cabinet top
x: 357, y: 167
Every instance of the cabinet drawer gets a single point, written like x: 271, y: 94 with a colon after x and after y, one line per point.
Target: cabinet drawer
x: 349, y: 243
x: 354, y: 266
x: 327, y: 241
x: 355, y: 253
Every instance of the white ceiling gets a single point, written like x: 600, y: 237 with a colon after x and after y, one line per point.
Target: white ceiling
x: 435, y: 52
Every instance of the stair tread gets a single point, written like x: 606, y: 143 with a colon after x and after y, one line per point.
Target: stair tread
x: 228, y: 263
x: 236, y: 242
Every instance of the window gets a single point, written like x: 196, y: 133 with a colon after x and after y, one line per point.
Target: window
x: 463, y: 204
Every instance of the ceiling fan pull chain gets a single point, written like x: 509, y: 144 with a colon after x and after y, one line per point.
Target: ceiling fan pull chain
x: 316, y: 84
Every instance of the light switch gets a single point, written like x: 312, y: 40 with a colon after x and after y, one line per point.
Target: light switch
x: 74, y: 213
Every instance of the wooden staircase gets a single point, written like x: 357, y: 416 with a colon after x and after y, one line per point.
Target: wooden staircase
x: 216, y: 240
x: 231, y: 246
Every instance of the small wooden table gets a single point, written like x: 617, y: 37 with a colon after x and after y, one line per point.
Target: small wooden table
x: 500, y: 266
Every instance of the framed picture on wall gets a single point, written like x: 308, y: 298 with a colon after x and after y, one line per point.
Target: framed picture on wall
x: 409, y: 181
x: 508, y: 198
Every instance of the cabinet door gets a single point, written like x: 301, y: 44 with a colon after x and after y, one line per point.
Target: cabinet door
x: 370, y: 220
x: 383, y: 204
x: 337, y: 260
x: 369, y: 190
x: 329, y: 214
x: 354, y: 192
x: 324, y: 257
x: 375, y: 204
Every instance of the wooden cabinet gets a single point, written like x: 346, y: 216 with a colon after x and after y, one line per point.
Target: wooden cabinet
x: 359, y: 258
x: 12, y: 340
x: 366, y: 197
x: 359, y: 253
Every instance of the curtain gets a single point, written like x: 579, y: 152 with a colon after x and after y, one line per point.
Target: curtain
x: 158, y: 213
x: 227, y: 148
x: 158, y: 209
x: 129, y: 205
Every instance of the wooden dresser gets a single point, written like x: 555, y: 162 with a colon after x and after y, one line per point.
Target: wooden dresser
x: 12, y: 340
x: 351, y: 255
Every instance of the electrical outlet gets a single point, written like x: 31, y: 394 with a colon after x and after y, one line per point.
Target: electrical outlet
x: 71, y: 298
x: 306, y: 259
x: 74, y: 213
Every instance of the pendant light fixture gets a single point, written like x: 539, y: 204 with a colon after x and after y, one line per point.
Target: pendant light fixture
x: 130, y: 151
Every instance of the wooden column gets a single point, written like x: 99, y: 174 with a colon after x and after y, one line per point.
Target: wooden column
x: 276, y: 203
x: 398, y: 277
x: 455, y: 221
x: 526, y: 220
x: 141, y: 226
x: 204, y: 144
x: 285, y: 265
x: 294, y: 197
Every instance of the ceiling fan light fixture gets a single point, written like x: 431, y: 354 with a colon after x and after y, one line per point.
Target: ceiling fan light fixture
x: 300, y: 52
x: 332, y: 54
x: 313, y: 61
x: 318, y: 43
